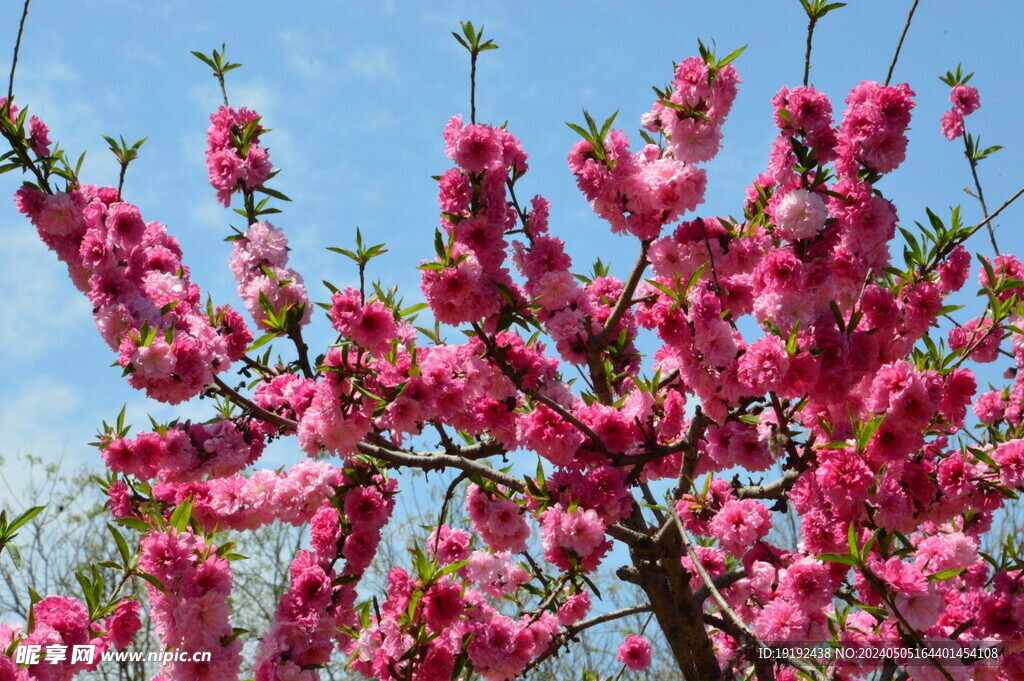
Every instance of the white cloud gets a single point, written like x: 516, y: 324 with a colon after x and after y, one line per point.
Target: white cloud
x: 34, y: 421
x: 40, y: 303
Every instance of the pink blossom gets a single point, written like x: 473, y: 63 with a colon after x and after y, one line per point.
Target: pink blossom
x: 952, y: 124
x: 739, y: 524
x: 1010, y: 457
x: 574, y: 609
x: 574, y: 538
x: 800, y: 214
x: 635, y: 653
x: 442, y: 605
x: 965, y: 98
x: 781, y: 620
x: 499, y: 521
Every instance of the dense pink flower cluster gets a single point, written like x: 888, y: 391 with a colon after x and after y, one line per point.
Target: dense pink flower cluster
x: 184, y: 452
x: 371, y: 326
x: 965, y: 101
x: 64, y: 623
x: 259, y: 261
x: 234, y: 162
x: 320, y: 599
x: 873, y: 133
x: 242, y: 502
x: 145, y: 305
x: 497, y: 519
x: 191, y: 611
x: 423, y: 626
x: 466, y: 280
x: 697, y: 105
x: 574, y: 539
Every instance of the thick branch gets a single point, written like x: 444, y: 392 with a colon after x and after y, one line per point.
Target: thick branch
x: 438, y: 461
x: 625, y: 299
x: 253, y: 408
x: 771, y: 490
x: 720, y: 582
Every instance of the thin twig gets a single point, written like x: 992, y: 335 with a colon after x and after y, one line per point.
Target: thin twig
x: 573, y: 630
x: 970, y: 232
x: 442, y: 517
x: 223, y: 90
x: 253, y: 408
x: 17, y: 48
x: 303, y: 350
x: 977, y: 185
x: 472, y: 87
x: 727, y: 612
x: 811, y: 21
x: 899, y: 45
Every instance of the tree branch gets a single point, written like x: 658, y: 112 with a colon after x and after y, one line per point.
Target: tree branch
x: 17, y: 48
x: 728, y: 613
x: 572, y: 631
x: 899, y: 45
x: 253, y: 408
x: 625, y: 298
x: 721, y: 582
x: 811, y: 21
x: 438, y: 461
x: 772, y: 490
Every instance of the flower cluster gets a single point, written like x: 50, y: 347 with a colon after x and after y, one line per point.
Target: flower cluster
x: 146, y: 307
x: 273, y: 293
x: 467, y: 279
x: 65, y: 623
x: 320, y: 599
x: 190, y: 611
x: 243, y: 502
x: 965, y: 101
x: 184, y: 452
x: 424, y: 625
x: 234, y: 158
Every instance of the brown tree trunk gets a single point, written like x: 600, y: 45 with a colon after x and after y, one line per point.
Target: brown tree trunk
x: 658, y: 571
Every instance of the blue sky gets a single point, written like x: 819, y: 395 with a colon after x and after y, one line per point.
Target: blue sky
x: 357, y: 95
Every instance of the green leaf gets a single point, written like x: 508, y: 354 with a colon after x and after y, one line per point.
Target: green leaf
x: 135, y: 524
x: 203, y: 58
x: 157, y: 584
x: 12, y: 550
x: 837, y: 558
x: 945, y: 574
x: 272, y: 192
x: 582, y: 133
x: 182, y: 515
x: 261, y: 341
x: 23, y: 518
x: 122, y: 545
x: 731, y: 57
